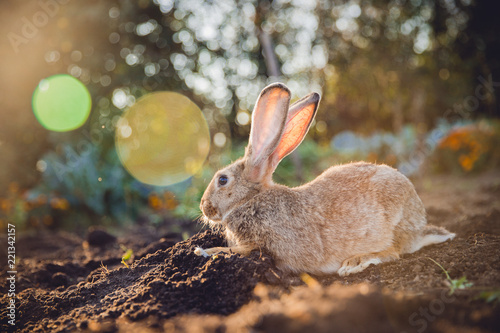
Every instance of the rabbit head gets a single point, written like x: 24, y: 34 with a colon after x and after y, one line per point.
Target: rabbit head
x: 277, y: 129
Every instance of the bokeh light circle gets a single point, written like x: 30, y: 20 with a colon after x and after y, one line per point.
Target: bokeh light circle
x: 61, y: 103
x: 162, y: 139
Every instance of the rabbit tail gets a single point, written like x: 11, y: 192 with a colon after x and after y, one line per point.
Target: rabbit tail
x: 432, y: 234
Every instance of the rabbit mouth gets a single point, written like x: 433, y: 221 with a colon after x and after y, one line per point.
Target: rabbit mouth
x: 215, y: 218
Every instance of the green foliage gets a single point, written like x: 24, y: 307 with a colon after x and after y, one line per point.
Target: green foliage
x: 461, y: 283
x: 92, y: 181
x: 490, y: 296
x: 93, y: 184
x: 454, y: 284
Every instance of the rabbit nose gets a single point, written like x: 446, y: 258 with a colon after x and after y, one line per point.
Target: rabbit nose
x: 209, y: 209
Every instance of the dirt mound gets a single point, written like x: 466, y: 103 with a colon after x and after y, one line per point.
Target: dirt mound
x: 162, y: 284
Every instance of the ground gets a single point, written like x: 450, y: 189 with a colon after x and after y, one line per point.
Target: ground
x: 68, y: 283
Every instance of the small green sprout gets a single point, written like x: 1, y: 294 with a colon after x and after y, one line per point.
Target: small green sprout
x: 128, y: 254
x: 454, y: 284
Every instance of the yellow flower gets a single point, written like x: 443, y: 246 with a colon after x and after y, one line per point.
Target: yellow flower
x: 59, y: 203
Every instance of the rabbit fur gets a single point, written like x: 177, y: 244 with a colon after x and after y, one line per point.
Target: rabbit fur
x: 349, y: 217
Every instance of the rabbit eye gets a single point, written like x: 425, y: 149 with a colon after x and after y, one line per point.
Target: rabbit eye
x: 223, y: 180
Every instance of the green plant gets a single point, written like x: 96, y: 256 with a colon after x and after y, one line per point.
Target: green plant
x: 94, y: 185
x: 127, y: 255
x: 87, y: 179
x: 490, y: 296
x: 454, y: 284
x: 462, y: 283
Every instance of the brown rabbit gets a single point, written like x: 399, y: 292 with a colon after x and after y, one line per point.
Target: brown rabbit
x: 349, y: 217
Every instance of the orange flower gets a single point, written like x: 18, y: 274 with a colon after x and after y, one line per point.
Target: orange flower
x: 471, y: 142
x: 154, y: 201
x: 453, y: 141
x: 466, y: 162
x: 459, y: 138
x: 5, y: 205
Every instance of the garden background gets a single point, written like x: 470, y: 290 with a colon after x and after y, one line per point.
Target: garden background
x: 414, y: 84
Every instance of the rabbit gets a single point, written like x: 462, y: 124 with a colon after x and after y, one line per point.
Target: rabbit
x: 349, y: 217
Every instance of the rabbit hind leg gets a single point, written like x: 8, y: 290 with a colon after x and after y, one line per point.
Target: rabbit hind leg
x: 359, y: 263
x: 431, y: 234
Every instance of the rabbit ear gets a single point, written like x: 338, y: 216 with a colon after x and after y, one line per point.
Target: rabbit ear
x: 268, y: 122
x: 298, y: 121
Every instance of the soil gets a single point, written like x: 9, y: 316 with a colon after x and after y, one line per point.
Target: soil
x: 67, y: 283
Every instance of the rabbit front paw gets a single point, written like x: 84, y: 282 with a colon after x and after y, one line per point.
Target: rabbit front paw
x: 200, y: 252
x: 241, y: 249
